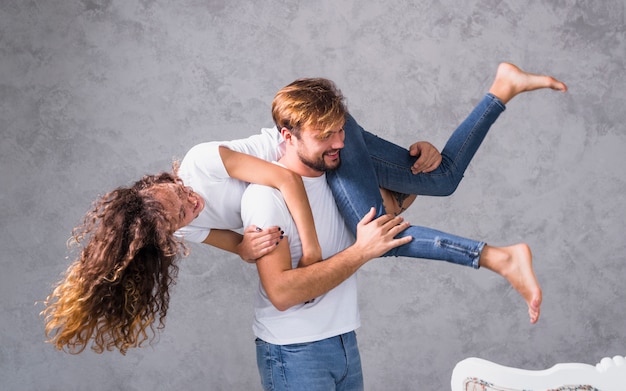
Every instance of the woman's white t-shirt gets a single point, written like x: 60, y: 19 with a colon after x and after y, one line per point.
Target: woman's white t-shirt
x: 202, y: 169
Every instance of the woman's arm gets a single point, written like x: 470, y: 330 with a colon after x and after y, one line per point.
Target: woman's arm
x: 254, y: 170
x: 254, y: 244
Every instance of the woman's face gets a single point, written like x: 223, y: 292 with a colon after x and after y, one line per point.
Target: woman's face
x: 182, y: 205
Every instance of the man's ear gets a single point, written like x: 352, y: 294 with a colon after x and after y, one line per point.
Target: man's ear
x: 286, y: 133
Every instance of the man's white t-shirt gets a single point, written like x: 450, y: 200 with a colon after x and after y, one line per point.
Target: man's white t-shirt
x: 331, y: 314
x: 202, y: 169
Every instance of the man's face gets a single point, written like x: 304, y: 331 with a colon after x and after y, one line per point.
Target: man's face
x: 319, y: 149
x: 182, y: 205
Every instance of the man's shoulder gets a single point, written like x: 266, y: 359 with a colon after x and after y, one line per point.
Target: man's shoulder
x: 264, y: 206
x: 255, y: 193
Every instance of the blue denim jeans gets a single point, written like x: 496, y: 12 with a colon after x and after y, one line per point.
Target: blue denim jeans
x: 330, y: 364
x: 355, y: 184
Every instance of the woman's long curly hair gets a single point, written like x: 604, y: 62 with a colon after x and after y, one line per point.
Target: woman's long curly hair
x: 118, y: 286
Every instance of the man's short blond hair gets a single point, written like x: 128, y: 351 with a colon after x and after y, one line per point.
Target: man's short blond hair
x: 314, y: 103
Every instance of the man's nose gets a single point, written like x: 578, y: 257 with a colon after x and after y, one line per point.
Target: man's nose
x: 337, y: 140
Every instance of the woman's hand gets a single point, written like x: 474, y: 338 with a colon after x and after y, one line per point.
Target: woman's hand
x: 258, y: 242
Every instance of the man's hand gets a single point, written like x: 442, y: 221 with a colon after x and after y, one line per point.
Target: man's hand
x: 258, y: 242
x: 428, y: 157
x: 376, y: 237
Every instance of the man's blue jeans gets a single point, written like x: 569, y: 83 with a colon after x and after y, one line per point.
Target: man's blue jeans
x: 355, y: 184
x: 330, y: 364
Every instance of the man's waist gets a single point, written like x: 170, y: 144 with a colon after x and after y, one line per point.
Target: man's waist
x: 289, y: 338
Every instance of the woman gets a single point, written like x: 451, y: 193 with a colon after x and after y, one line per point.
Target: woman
x: 118, y: 286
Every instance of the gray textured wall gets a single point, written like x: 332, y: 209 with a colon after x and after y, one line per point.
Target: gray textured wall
x: 95, y: 93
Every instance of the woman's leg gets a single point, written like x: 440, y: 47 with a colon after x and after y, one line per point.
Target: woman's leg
x: 392, y: 164
x: 356, y: 190
x: 389, y: 167
x: 355, y: 186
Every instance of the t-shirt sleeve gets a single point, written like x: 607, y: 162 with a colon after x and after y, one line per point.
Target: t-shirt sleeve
x: 266, y: 145
x: 204, y: 159
x: 193, y: 234
x: 264, y: 206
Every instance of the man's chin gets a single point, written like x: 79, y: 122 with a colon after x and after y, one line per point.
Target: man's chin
x: 322, y: 165
x: 333, y: 165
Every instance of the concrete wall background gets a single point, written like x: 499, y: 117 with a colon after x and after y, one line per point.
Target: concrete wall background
x: 95, y: 93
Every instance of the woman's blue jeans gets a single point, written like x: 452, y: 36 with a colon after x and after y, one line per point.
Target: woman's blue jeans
x: 355, y: 184
x: 330, y: 364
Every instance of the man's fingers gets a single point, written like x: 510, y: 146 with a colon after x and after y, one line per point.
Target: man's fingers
x: 396, y: 229
x: 414, y: 149
x: 400, y: 241
x: 433, y: 164
x: 428, y: 157
x: 390, y: 221
x: 426, y: 165
x: 386, y: 221
x: 369, y: 216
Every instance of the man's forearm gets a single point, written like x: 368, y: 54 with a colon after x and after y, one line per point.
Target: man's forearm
x: 287, y: 287
x: 290, y: 287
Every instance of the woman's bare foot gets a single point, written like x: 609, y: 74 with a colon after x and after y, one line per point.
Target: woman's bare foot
x: 511, y: 81
x: 514, y: 263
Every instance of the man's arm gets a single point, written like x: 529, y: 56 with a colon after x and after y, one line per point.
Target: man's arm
x: 254, y: 170
x: 286, y: 287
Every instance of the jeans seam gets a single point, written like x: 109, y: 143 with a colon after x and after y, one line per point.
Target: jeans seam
x: 279, y: 357
x: 345, y: 354
x: 449, y: 174
x: 474, y: 255
x: 493, y: 102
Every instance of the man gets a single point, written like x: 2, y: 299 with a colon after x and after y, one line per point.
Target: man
x: 305, y: 317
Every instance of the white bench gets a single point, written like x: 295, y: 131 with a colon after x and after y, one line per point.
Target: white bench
x: 475, y: 374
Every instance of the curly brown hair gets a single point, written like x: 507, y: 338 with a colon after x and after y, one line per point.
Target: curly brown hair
x: 118, y: 286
